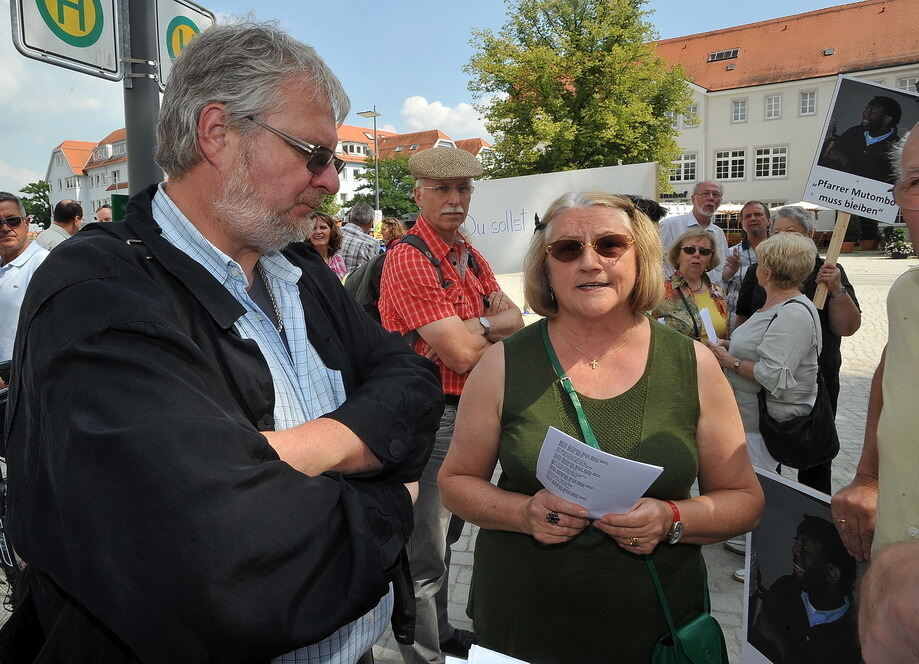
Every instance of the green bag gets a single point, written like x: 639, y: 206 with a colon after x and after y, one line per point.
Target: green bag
x: 699, y: 641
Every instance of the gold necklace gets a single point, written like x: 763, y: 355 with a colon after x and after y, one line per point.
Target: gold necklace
x: 594, y: 362
x: 279, y: 326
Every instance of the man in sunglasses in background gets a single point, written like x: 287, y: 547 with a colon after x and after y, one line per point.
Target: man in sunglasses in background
x: 19, y: 258
x: 706, y: 199
x: 452, y: 316
x: 232, y: 479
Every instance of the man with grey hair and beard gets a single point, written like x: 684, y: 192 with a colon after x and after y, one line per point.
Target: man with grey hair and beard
x: 234, y: 475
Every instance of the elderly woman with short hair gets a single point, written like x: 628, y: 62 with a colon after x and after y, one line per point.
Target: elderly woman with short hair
x: 689, y: 291
x: 549, y: 585
x: 840, y: 316
x: 776, y: 349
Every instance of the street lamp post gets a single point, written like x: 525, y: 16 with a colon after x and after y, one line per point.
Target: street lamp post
x: 376, y: 155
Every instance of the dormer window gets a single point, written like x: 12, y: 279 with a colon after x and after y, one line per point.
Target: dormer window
x: 729, y: 54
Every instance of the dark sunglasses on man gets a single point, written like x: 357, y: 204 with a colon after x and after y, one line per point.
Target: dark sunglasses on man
x: 608, y: 246
x: 318, y: 157
x: 702, y: 250
x: 12, y: 222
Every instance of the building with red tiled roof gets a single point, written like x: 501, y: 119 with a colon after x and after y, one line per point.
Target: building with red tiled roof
x: 762, y: 91
x: 477, y: 147
x: 408, y: 144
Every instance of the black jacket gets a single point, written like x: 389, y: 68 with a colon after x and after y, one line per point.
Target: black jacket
x: 140, y: 486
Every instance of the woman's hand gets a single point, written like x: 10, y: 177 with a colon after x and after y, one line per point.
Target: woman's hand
x: 551, y: 520
x: 725, y: 359
x: 830, y: 275
x: 642, y: 528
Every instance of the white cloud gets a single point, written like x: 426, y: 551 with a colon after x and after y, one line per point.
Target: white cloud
x: 14, y: 178
x: 463, y: 121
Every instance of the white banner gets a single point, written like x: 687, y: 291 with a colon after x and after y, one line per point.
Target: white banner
x: 501, y: 217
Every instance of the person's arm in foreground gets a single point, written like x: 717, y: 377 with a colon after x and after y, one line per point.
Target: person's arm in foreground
x: 855, y: 506
x: 888, y: 622
x: 730, y: 500
x: 465, y: 477
x: 844, y: 316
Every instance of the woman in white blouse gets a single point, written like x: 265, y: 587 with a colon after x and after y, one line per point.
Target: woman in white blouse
x: 777, y: 347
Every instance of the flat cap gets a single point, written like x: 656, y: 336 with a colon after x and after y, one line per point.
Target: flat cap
x: 444, y: 163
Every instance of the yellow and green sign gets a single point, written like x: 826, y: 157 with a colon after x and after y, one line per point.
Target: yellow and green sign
x: 76, y: 22
x: 179, y: 32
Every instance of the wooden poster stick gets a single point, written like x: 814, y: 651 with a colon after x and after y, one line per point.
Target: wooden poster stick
x: 832, y: 254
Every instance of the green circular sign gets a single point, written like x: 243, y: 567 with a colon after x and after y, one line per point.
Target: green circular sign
x: 178, y: 33
x: 75, y: 22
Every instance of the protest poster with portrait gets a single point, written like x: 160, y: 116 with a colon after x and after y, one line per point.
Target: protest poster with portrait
x: 853, y: 170
x: 800, y: 580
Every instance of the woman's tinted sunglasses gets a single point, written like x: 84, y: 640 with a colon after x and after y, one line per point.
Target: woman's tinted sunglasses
x: 608, y: 246
x: 705, y: 251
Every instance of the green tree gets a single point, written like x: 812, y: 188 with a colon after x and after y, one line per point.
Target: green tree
x: 575, y: 84
x: 35, y: 198
x: 329, y: 205
x: 396, y: 184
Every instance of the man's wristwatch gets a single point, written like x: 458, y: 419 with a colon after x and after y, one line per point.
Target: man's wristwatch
x: 737, y: 364
x: 486, y: 326
x: 676, y: 528
x: 839, y: 294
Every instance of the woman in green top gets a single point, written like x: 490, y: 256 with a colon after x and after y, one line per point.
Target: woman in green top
x: 548, y: 584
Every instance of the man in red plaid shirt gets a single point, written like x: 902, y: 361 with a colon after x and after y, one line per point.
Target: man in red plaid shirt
x: 456, y: 320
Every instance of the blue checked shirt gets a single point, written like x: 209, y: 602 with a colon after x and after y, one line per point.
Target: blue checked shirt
x: 304, y: 388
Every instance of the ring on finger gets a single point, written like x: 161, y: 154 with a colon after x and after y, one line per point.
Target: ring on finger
x: 553, y: 517
x: 634, y: 541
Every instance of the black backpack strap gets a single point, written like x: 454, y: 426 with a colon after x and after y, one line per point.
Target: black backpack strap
x: 422, y: 246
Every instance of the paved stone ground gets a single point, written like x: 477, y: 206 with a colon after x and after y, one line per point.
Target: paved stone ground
x: 872, y: 275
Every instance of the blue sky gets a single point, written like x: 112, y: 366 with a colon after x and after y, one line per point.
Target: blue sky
x: 405, y: 57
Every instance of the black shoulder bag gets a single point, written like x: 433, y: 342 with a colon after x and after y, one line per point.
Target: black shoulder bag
x: 804, y: 441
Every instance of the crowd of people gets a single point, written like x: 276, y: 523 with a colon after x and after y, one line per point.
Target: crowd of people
x: 214, y: 454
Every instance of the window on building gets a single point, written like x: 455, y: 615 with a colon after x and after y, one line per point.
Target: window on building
x: 59, y: 184
x: 773, y: 107
x: 58, y: 159
x: 772, y: 162
x: 739, y: 110
x: 684, y: 168
x: 119, y: 149
x: 399, y: 148
x: 414, y: 146
x: 728, y: 54
x: 344, y: 198
x: 691, y: 116
x: 908, y: 83
x: 730, y: 164
x: 673, y: 118
x: 808, y: 103
x: 114, y: 177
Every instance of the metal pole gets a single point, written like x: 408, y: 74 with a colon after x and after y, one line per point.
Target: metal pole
x: 141, y: 93
x: 376, y: 158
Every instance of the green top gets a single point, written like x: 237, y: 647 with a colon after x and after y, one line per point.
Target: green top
x: 588, y: 600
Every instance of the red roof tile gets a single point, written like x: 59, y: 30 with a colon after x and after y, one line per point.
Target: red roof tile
x: 472, y: 145
x: 422, y: 139
x: 77, y: 153
x: 861, y: 35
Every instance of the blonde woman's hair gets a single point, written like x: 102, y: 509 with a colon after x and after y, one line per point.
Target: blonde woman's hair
x: 673, y: 254
x: 649, y: 285
x: 789, y: 256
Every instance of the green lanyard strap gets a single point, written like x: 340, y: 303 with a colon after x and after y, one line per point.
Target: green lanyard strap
x: 586, y: 431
